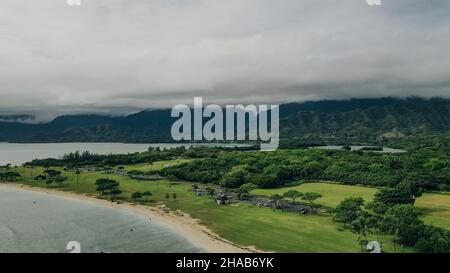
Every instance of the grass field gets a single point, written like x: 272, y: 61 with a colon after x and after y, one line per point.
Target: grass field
x: 155, y: 165
x: 241, y: 223
x: 435, y: 208
x: 332, y: 194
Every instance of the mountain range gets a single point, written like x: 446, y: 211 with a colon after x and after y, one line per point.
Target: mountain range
x: 354, y: 120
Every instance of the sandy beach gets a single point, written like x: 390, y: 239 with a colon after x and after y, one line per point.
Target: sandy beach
x: 179, y: 222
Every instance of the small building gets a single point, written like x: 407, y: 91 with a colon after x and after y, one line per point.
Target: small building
x: 223, y: 199
x: 200, y: 192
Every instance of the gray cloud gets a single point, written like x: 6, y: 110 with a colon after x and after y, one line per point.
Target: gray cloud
x: 122, y: 55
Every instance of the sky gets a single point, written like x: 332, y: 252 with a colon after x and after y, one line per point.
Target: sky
x: 120, y: 56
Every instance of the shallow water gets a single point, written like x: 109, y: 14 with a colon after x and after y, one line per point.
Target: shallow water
x: 19, y: 153
x: 39, y: 222
x: 356, y: 148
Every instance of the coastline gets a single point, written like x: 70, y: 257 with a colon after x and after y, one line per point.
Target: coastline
x: 181, y: 223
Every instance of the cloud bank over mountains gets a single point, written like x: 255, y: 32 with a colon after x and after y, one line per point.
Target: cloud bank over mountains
x: 117, y: 56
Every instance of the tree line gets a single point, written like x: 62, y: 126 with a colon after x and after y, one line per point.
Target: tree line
x: 392, y: 212
x: 428, y: 168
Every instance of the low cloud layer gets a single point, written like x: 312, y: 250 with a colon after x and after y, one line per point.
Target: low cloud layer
x: 117, y: 56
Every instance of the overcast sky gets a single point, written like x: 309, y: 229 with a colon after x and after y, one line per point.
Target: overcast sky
x: 118, y: 56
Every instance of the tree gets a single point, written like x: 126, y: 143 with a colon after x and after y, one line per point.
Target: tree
x: 265, y: 181
x: 54, y: 176
x: 348, y: 210
x: 146, y: 195
x: 403, y: 222
x: 9, y: 176
x: 77, y: 173
x: 433, y: 240
x: 174, y: 196
x: 247, y: 188
x: 107, y: 186
x: 332, y: 214
x: 311, y: 197
x: 58, y: 179
x: 52, y: 173
x: 293, y: 195
x: 404, y: 193
x: 244, y: 191
x: 414, y: 188
x: 136, y: 196
x: 361, y: 227
x: 274, y: 198
x: 33, y: 168
x: 443, y: 187
x: 235, y: 177
x: 114, y: 193
x: 377, y: 207
x: 373, y: 223
x: 167, y: 196
x: 48, y: 182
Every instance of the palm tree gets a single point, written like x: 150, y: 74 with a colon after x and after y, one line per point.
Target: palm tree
x: 77, y: 173
x: 361, y: 228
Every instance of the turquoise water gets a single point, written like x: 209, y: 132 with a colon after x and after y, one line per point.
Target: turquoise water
x: 39, y: 222
x: 17, y: 154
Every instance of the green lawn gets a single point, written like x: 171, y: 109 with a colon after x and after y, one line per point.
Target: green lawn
x: 435, y: 209
x: 332, y: 194
x: 155, y: 165
x: 241, y: 223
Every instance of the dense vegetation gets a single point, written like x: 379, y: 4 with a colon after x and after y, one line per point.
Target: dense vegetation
x: 365, y: 121
x: 374, y: 124
x: 387, y: 212
x: 369, y: 213
x: 387, y: 209
x: 79, y: 159
x: 427, y: 167
x: 393, y: 212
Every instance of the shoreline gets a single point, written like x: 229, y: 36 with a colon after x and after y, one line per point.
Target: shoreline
x: 179, y: 222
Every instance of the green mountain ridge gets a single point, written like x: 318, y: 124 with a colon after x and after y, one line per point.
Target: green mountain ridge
x: 410, y: 117
x: 347, y: 121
